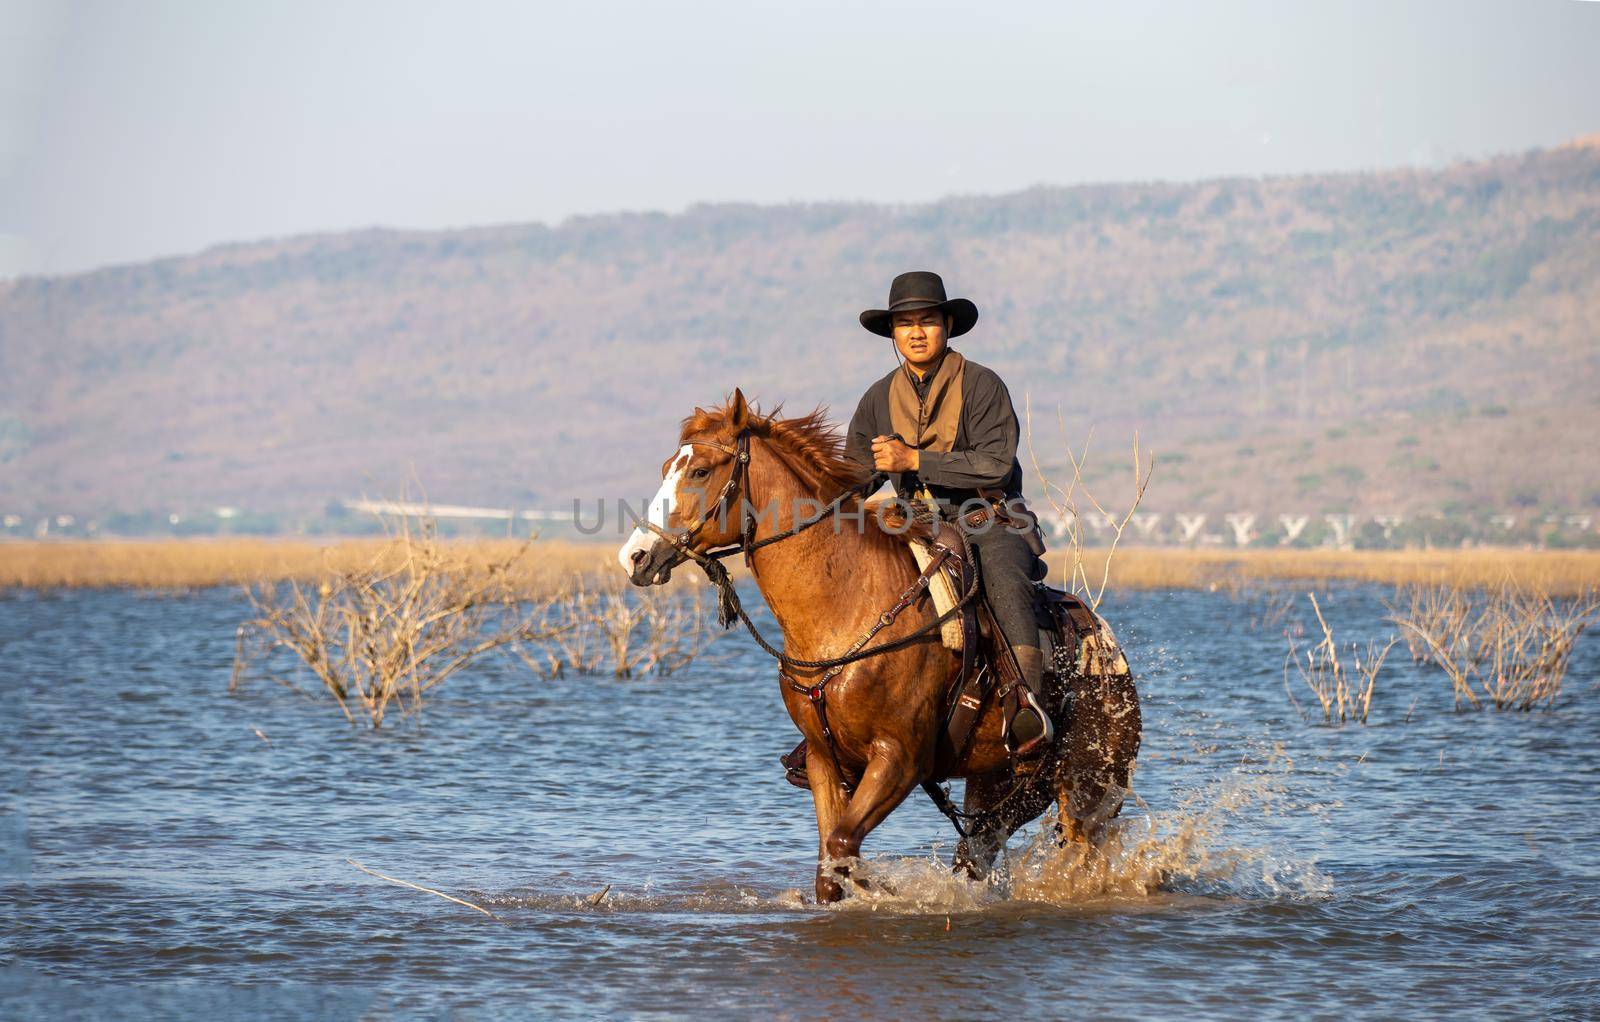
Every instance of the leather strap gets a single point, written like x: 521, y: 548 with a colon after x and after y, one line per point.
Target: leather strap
x: 818, y: 693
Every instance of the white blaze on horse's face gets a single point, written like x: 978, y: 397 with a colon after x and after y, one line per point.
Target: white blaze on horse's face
x: 643, y: 539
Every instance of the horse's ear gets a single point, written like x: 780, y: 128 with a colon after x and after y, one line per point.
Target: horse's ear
x: 738, y: 410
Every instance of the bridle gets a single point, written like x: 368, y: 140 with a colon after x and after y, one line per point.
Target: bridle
x: 729, y: 608
x: 738, y: 479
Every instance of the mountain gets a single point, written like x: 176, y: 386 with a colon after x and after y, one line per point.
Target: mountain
x: 1396, y: 341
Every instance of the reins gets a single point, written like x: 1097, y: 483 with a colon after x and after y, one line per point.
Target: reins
x: 729, y: 607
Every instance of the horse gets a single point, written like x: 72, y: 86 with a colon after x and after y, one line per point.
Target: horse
x: 878, y: 735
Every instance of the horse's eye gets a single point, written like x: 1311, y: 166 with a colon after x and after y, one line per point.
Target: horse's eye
x: 699, y: 473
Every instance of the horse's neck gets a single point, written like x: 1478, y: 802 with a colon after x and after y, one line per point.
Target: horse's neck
x: 818, y: 581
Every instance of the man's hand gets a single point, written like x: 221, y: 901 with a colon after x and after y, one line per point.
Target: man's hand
x: 889, y: 454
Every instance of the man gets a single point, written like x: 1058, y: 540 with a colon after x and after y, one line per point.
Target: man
x: 945, y: 429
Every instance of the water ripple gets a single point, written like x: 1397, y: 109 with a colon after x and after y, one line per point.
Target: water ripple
x: 159, y: 858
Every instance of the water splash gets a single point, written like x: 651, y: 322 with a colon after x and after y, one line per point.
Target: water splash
x: 1193, y: 847
x: 1218, y: 841
x: 1205, y: 846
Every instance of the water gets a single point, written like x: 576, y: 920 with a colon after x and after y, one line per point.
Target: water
x: 160, y: 858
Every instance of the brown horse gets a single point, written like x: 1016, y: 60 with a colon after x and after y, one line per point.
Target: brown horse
x: 826, y: 587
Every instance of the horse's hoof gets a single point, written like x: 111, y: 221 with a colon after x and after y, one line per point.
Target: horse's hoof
x: 974, y: 867
x: 829, y: 891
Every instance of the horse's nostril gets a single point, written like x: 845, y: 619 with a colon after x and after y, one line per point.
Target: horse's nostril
x: 636, y: 556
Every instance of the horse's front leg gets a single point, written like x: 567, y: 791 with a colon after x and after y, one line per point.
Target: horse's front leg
x: 889, y: 778
x: 828, y: 796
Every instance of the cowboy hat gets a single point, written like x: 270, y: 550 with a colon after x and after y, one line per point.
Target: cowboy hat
x: 920, y: 289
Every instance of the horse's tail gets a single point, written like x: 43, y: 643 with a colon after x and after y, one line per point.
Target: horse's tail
x: 1101, y: 720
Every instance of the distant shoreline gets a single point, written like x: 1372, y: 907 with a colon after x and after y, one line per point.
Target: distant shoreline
x: 179, y: 564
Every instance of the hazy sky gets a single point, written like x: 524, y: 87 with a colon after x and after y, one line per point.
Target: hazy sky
x: 135, y: 129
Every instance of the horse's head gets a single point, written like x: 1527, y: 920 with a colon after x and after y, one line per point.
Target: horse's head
x: 698, y: 500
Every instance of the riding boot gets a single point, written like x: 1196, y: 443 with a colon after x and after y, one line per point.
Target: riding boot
x: 1028, y: 728
x: 794, y: 766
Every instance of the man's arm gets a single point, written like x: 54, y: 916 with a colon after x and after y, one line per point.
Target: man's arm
x: 858, y: 442
x: 992, y: 434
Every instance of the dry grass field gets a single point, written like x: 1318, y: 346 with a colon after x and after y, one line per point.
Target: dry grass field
x: 189, y: 564
x: 1556, y: 572
x: 200, y: 563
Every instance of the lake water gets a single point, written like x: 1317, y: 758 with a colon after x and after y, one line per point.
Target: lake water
x: 161, y: 859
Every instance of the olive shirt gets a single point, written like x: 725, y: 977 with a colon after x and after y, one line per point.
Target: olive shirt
x: 985, y: 450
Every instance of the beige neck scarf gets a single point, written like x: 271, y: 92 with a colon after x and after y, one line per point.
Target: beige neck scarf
x: 930, y: 424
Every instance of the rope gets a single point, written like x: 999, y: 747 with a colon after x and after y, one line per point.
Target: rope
x: 826, y: 513
x: 939, y: 795
x: 729, y: 608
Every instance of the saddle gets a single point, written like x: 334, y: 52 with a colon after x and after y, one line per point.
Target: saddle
x: 987, y: 668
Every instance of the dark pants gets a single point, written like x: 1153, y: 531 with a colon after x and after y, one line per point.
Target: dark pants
x: 1005, y: 562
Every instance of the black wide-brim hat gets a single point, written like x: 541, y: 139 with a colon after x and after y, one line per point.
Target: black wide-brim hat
x: 920, y: 289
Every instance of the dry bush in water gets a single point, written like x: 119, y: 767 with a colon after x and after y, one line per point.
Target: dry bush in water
x: 1269, y: 610
x: 1438, y: 615
x: 1262, y: 606
x: 385, y: 633
x: 1064, y: 500
x: 1344, y: 694
x: 1508, y: 647
x: 381, y: 633
x: 633, y: 631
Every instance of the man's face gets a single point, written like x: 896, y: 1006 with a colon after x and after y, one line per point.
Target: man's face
x: 920, y: 336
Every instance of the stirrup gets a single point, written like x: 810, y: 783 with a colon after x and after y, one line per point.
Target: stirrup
x: 794, y: 766
x: 1024, y: 700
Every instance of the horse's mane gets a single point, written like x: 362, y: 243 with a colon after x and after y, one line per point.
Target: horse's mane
x: 809, y: 441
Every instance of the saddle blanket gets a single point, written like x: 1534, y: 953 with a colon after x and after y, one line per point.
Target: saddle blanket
x: 944, y: 594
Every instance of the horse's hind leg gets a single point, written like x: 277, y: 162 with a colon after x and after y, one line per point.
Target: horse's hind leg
x: 1101, y: 743
x: 1069, y: 829
x: 1093, y: 777
x: 1087, y: 800
x: 975, y: 853
x: 889, y: 777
